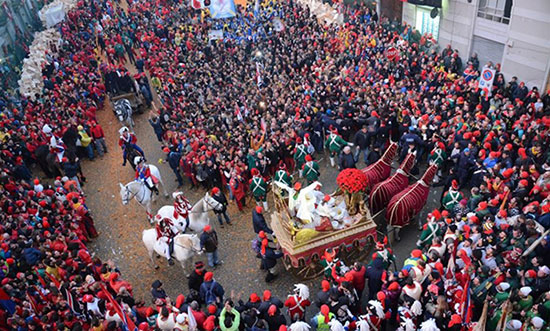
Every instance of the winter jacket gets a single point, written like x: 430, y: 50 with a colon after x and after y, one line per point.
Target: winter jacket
x: 195, y: 281
x: 361, y: 139
x: 230, y: 325
x: 259, y: 223
x: 220, y: 197
x: 71, y: 169
x: 347, y: 161
x: 32, y: 255
x: 209, y: 241
x: 173, y: 159
x: 374, y: 275
x: 269, y: 259
x: 217, y: 290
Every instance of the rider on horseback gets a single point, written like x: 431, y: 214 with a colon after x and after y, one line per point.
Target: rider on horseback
x: 181, y: 207
x: 166, y: 233
x: 127, y: 139
x: 57, y: 146
x: 143, y: 174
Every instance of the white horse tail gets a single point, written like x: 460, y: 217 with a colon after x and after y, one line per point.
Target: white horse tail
x: 156, y: 173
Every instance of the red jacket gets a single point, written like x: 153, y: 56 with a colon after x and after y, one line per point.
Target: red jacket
x: 358, y: 279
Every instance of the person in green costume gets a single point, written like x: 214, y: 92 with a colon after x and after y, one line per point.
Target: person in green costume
x: 311, y: 170
x: 335, y: 143
x: 258, y: 187
x: 282, y: 175
x: 300, y: 153
x: 452, y: 197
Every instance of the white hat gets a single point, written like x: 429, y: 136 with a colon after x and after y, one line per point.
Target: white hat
x: 525, y: 291
x: 137, y: 160
x: 181, y: 318
x: 513, y: 325
x: 46, y: 129
x: 123, y: 129
x: 537, y: 322
x: 545, y: 270
x: 503, y: 286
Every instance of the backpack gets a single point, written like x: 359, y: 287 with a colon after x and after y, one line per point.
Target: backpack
x: 256, y: 245
x: 209, y: 297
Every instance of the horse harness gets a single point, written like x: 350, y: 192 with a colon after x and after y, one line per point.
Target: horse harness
x: 124, y: 107
x: 134, y: 195
x: 192, y: 248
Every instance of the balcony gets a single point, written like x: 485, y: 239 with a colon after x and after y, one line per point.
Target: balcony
x: 495, y: 10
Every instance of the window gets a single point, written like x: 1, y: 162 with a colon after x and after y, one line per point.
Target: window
x: 424, y: 23
x: 495, y: 10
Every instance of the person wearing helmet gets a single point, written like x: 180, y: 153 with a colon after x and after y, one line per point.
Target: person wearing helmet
x: 181, y: 207
x: 143, y: 174
x: 126, y: 141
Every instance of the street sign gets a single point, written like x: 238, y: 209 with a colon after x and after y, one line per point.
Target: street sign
x: 486, y: 80
x: 391, y: 53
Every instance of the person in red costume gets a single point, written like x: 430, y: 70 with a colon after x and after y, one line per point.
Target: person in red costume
x: 182, y: 207
x: 298, y: 302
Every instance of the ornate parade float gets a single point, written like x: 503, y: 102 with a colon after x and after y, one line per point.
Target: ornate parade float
x: 307, y: 222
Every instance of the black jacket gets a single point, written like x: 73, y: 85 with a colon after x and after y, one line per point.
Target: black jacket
x: 220, y: 197
x: 209, y: 241
x: 347, y: 161
x: 195, y: 280
x: 259, y: 223
x: 361, y: 139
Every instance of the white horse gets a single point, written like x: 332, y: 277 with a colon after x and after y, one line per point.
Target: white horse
x: 198, y: 215
x: 139, y: 191
x: 185, y: 247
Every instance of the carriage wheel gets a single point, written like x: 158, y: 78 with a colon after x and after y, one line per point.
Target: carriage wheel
x: 358, y: 253
x: 287, y: 263
x: 308, y: 271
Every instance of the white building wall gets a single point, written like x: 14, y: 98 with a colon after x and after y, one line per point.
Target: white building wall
x: 527, y: 50
x: 409, y: 13
x: 457, y: 23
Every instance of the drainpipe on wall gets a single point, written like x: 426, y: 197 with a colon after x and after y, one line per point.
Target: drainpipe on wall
x: 546, y: 82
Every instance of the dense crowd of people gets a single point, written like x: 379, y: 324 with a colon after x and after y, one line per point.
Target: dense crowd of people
x: 270, y: 97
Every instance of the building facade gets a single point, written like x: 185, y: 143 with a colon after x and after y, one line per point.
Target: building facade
x: 18, y: 21
x: 512, y: 33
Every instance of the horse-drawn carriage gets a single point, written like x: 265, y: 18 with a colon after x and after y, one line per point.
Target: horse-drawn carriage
x: 302, y: 254
x: 136, y: 101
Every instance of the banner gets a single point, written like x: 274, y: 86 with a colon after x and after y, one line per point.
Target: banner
x: 222, y: 9
x: 197, y: 4
x: 278, y: 25
x: 215, y: 35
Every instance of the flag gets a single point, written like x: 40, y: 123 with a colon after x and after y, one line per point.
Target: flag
x: 257, y: 8
x: 40, y: 279
x: 263, y: 125
x: 74, y: 305
x: 197, y: 4
x: 191, y: 319
x: 128, y: 323
x: 54, y: 280
x: 450, y: 273
x: 465, y: 306
x: 222, y: 9
x: 32, y: 301
x: 258, y: 74
x: 238, y: 113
